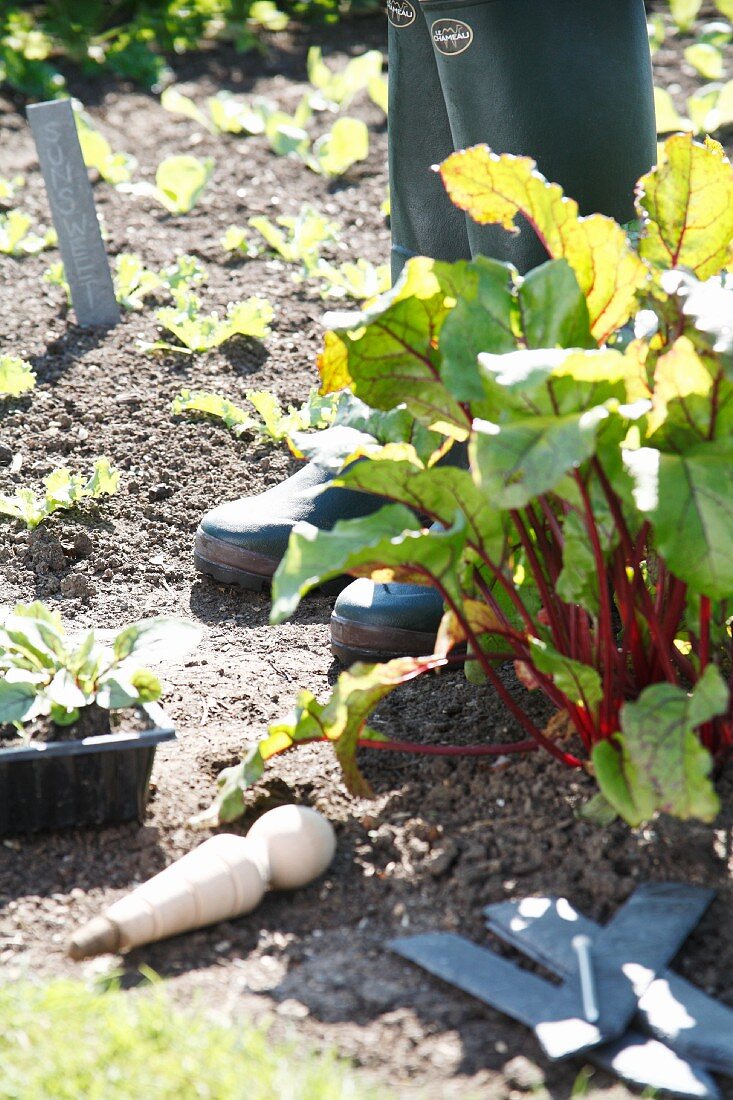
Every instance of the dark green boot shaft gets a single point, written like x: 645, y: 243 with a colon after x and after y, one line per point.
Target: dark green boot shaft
x: 566, y: 82
x: 424, y: 220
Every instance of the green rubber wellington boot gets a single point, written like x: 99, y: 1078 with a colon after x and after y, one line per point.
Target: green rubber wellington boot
x: 566, y: 82
x: 242, y: 542
x: 569, y: 83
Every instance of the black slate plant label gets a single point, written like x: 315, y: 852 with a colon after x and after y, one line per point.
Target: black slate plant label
x: 74, y: 214
x: 401, y: 13
x: 451, y: 36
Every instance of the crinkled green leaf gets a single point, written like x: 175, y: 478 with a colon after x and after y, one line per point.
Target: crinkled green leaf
x: 688, y: 499
x: 17, y: 700
x: 516, y: 462
x: 485, y: 319
x: 389, y: 354
x: 436, y: 492
x: 16, y: 376
x: 553, y: 308
x: 658, y: 763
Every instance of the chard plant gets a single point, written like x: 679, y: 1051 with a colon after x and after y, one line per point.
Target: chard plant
x: 179, y: 183
x: 589, y: 540
x: 268, y: 421
x: 62, y: 490
x: 200, y: 332
x: 16, y: 376
x: 45, y: 673
x: 17, y: 237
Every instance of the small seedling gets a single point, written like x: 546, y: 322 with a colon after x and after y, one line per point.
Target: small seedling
x: 183, y: 274
x: 337, y: 151
x: 709, y: 109
x: 46, y: 674
x: 360, y: 280
x: 235, y: 240
x: 179, y: 183
x: 134, y: 282
x: 115, y: 168
x: 334, y: 91
x: 271, y: 421
x: 228, y: 113
x: 16, y: 376
x: 10, y: 187
x: 62, y: 490
x: 286, y: 133
x: 199, y: 331
x: 299, y: 238
x: 16, y: 238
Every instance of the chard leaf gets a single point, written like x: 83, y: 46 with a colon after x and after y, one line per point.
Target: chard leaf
x: 436, y: 492
x: 16, y: 376
x: 580, y: 683
x: 689, y: 500
x: 388, y: 354
x: 388, y: 546
x: 516, y: 462
x: 658, y: 764
x: 495, y: 189
x: 64, y: 692
x: 686, y: 202
x: 553, y: 308
x: 17, y: 700
x: 485, y: 319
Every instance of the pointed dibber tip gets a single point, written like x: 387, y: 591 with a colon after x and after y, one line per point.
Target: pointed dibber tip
x: 100, y: 937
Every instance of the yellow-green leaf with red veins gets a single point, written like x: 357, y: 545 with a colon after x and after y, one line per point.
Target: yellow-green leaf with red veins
x: 495, y: 189
x: 686, y: 203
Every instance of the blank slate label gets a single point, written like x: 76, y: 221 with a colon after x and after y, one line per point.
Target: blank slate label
x: 74, y: 214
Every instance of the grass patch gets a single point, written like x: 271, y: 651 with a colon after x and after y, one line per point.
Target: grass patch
x: 63, y: 1041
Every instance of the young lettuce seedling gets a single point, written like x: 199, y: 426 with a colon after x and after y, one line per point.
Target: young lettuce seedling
x: 9, y: 188
x: 337, y: 151
x: 114, y: 168
x: 272, y: 422
x: 62, y: 490
x: 335, y: 91
x: 16, y: 238
x: 16, y: 376
x: 46, y: 674
x: 299, y: 238
x: 179, y: 183
x: 200, y: 332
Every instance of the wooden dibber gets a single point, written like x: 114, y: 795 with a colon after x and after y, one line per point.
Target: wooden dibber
x: 225, y: 877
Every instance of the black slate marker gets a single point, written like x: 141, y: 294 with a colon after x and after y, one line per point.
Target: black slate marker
x: 525, y: 997
x: 672, y: 1009
x: 74, y: 214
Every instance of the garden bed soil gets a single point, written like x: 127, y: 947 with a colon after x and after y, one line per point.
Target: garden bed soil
x: 442, y: 838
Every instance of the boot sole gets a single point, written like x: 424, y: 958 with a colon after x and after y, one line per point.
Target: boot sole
x: 229, y: 564
x: 352, y: 641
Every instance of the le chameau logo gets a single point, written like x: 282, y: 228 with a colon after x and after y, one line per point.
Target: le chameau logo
x: 451, y: 36
x: 400, y: 13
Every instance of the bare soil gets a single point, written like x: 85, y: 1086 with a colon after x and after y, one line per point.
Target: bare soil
x: 442, y: 839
